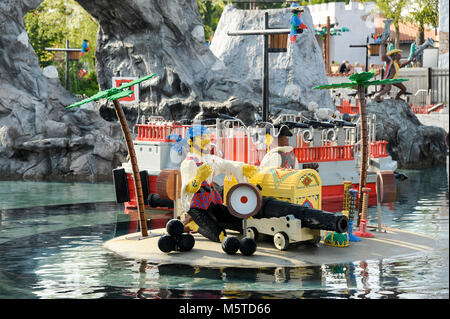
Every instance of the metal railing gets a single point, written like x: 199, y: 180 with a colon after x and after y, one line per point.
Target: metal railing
x: 426, y: 85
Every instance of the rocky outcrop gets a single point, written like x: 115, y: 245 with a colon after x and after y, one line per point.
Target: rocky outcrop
x: 167, y: 38
x: 411, y: 144
x: 138, y: 37
x: 292, y: 75
x: 39, y: 139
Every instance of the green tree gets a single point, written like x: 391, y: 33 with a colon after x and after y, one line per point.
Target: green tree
x: 54, y: 22
x: 392, y: 9
x: 308, y: 2
x: 46, y: 27
x: 423, y: 13
x: 211, y: 10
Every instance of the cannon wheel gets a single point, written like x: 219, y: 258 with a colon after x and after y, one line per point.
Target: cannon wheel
x: 244, y: 200
x: 252, y: 232
x: 281, y: 240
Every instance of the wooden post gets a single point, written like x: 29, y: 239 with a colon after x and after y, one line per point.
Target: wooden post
x: 265, y: 80
x: 67, y: 66
x: 364, y: 146
x: 327, y: 51
x: 134, y: 167
x: 265, y: 85
x: 67, y: 50
x: 367, y: 55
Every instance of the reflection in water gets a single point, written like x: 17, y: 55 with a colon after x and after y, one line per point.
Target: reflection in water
x: 56, y: 252
x: 19, y: 194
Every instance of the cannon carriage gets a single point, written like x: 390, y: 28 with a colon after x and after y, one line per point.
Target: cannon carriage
x: 283, y: 203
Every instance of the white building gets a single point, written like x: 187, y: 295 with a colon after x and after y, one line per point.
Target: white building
x: 443, y: 33
x: 356, y: 16
x: 363, y: 20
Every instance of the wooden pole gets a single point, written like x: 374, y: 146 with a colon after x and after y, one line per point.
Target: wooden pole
x: 67, y: 66
x: 265, y: 86
x: 364, y: 146
x: 134, y: 167
x: 327, y: 51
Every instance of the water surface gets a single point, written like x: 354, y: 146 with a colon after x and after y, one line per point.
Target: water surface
x: 51, y: 237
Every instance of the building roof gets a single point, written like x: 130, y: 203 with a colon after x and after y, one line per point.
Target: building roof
x: 408, y: 31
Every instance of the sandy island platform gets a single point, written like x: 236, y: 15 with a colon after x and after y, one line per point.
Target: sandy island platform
x: 392, y: 243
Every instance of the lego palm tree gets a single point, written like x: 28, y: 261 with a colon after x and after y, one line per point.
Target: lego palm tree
x: 360, y: 81
x: 114, y: 95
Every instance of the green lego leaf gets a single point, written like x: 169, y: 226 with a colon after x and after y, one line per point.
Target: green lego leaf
x: 336, y: 86
x: 361, y: 77
x: 386, y: 81
x: 97, y: 96
x: 129, y: 84
x: 120, y: 95
x: 113, y: 93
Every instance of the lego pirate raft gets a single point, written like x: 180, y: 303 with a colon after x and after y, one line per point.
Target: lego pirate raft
x: 266, y: 213
x: 305, y: 235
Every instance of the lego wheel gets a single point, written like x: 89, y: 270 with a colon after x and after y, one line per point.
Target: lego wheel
x: 251, y: 232
x: 281, y: 240
x: 244, y: 200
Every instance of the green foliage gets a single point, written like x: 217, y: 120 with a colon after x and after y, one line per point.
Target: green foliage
x: 361, y: 78
x: 81, y: 85
x: 424, y: 12
x: 50, y: 25
x: 392, y: 9
x: 310, y: 2
x: 211, y: 10
x: 45, y: 26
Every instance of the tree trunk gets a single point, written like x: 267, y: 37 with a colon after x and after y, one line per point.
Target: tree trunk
x: 364, y: 146
x: 397, y: 36
x: 134, y: 167
x: 419, y: 40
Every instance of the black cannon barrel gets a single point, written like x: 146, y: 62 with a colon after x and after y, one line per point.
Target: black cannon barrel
x: 317, y: 124
x: 155, y: 201
x: 310, y: 217
x: 295, y: 124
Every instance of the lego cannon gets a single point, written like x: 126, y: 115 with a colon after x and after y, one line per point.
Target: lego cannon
x: 282, y: 203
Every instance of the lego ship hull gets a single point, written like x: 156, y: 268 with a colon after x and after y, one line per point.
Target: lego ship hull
x: 336, y: 162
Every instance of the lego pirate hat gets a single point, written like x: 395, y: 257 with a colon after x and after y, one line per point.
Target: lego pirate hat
x: 196, y: 130
x: 393, y: 51
x: 285, y: 131
x: 296, y: 8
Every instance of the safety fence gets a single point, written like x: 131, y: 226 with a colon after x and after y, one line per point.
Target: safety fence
x: 427, y: 86
x: 240, y: 145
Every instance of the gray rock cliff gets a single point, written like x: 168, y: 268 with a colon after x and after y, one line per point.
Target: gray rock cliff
x: 411, y: 144
x: 40, y: 140
x: 292, y: 74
